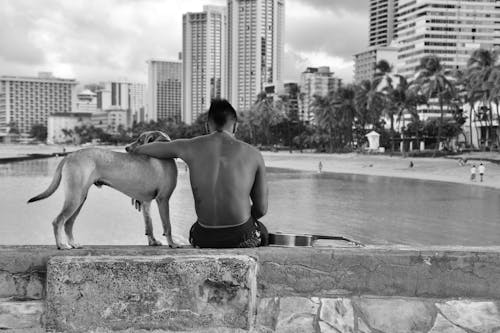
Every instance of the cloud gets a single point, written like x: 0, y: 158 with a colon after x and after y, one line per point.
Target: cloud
x: 96, y: 40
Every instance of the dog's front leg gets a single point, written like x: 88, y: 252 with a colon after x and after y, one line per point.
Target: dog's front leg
x: 164, y: 209
x: 149, y: 224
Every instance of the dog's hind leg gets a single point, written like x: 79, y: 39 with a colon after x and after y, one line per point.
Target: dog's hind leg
x: 68, y: 227
x: 164, y: 209
x: 71, y: 205
x: 148, y: 222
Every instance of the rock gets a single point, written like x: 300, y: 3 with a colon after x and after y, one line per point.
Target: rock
x: 442, y: 325
x: 472, y: 315
x: 267, y: 313
x: 21, y: 315
x: 338, y: 314
x: 396, y: 315
x: 297, y: 314
x: 176, y: 293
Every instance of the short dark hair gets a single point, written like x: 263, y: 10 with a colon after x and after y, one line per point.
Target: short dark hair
x: 221, y: 111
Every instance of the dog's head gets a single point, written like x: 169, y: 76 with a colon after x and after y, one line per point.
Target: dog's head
x: 148, y: 137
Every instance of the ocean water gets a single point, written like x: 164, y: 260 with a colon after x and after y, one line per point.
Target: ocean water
x: 371, y: 209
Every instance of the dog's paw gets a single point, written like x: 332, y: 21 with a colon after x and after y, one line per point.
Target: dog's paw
x: 174, y: 245
x: 64, y: 246
x: 154, y: 242
x: 75, y: 245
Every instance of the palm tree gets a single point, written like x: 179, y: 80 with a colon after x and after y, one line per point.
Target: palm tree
x: 405, y: 102
x: 324, y: 111
x: 344, y: 99
x: 266, y: 113
x: 433, y: 81
x: 480, y: 67
x: 495, y: 97
x: 383, y: 85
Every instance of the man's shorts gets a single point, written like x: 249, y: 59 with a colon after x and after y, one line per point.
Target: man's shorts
x: 249, y: 234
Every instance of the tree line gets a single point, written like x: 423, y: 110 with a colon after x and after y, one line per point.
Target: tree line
x: 344, y: 116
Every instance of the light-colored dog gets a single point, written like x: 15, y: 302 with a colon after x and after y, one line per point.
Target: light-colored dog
x: 140, y: 177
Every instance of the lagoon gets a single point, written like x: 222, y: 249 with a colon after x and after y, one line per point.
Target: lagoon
x: 373, y: 209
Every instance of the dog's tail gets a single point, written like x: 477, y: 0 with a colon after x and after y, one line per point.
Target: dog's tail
x: 53, y: 185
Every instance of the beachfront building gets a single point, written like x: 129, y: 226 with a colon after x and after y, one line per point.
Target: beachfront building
x: 451, y: 30
x: 26, y: 101
x: 204, y: 50
x: 255, y: 48
x: 481, y: 132
x: 365, y: 61
x: 164, y: 90
x: 60, y: 126
x: 315, y: 81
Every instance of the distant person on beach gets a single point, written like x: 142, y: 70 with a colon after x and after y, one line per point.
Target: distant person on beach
x: 228, y: 181
x: 481, y: 171
x: 411, y: 164
x: 320, y: 167
x: 473, y: 172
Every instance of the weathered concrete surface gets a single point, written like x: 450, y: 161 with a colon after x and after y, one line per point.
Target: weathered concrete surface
x: 21, y: 314
x: 155, y: 292
x: 338, y: 272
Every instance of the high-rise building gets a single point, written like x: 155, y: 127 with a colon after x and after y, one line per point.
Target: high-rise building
x: 164, y: 90
x: 451, y: 30
x: 204, y: 51
x: 315, y: 81
x: 123, y: 95
x: 26, y: 101
x: 366, y: 61
x: 381, y: 33
x: 382, y: 22
x: 255, y: 48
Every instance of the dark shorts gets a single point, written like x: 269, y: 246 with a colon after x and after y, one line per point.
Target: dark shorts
x: 249, y: 234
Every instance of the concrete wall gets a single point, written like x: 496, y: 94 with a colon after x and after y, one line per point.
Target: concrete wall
x: 130, y: 289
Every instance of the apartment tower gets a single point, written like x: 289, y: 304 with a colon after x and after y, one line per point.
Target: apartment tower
x: 204, y: 49
x: 255, y: 48
x: 451, y: 30
x: 164, y: 90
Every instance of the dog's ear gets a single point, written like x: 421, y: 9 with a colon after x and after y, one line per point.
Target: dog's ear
x: 163, y: 137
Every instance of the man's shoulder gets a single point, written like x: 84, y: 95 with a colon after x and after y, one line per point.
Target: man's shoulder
x: 250, y: 149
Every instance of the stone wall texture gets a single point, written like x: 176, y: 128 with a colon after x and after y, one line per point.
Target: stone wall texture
x: 144, y: 289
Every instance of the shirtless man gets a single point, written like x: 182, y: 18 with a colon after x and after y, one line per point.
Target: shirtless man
x: 225, y: 174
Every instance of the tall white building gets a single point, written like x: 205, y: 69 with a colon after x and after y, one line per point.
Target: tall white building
x: 164, y: 90
x: 315, y: 81
x: 255, y: 48
x: 382, y: 22
x: 451, y: 30
x: 204, y: 49
x: 26, y: 101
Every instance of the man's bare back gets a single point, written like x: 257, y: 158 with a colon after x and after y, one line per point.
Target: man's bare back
x: 223, y: 172
x: 228, y: 180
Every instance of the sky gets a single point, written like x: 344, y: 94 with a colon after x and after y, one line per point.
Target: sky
x: 102, y: 40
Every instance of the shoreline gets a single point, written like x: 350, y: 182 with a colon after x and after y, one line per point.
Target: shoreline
x: 437, y: 169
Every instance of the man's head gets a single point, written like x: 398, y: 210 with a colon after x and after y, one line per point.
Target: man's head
x: 221, y: 116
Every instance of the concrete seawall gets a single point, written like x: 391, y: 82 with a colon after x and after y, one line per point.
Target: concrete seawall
x: 130, y: 289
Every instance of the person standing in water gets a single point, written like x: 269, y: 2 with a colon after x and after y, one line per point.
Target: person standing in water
x: 481, y: 171
x: 473, y: 172
x: 320, y: 167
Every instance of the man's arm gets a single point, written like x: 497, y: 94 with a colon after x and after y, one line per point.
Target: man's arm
x: 165, y: 150
x: 260, y: 191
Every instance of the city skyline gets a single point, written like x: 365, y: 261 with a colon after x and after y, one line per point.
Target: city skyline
x: 90, y: 42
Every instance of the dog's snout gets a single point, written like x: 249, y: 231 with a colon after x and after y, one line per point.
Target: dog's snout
x: 127, y: 149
